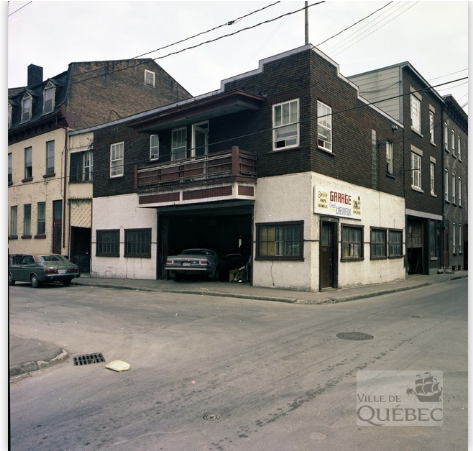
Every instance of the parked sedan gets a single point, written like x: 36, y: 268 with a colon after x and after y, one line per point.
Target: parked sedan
x: 196, y: 261
x: 39, y: 269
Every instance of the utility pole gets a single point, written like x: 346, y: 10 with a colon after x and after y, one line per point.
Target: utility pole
x: 306, y: 22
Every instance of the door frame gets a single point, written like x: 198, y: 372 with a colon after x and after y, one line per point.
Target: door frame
x: 334, y: 222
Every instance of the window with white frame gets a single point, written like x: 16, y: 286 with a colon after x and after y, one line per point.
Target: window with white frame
x: 445, y: 135
x: 27, y: 220
x: 459, y: 148
x: 454, y: 238
x: 389, y: 157
x: 28, y: 163
x: 432, y: 178
x: 26, y: 108
x: 13, y: 221
x: 416, y: 169
x: 117, y: 159
x: 81, y: 167
x: 460, y: 244
x: 454, y: 182
x: 446, y: 183
x: 149, y: 78
x: 154, y: 147
x: 415, y: 113
x: 48, y: 98
x: 50, y: 157
x: 286, y: 125
x: 324, y: 126
x: 432, y: 126
x: 459, y: 194
x: 453, y: 142
x: 179, y: 144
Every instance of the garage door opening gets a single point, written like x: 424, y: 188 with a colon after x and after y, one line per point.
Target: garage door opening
x: 227, y: 232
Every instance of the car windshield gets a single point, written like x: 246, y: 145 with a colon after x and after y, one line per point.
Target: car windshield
x: 53, y: 258
x: 197, y: 252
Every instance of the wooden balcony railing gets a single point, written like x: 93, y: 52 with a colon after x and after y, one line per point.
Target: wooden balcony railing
x: 230, y: 163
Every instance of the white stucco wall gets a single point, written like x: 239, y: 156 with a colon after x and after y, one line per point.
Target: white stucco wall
x: 291, y: 198
x: 123, y: 212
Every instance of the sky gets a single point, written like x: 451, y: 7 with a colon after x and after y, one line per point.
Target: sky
x: 431, y: 35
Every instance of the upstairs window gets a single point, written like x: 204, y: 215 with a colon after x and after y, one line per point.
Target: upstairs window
x: 10, y: 177
x: 81, y: 166
x: 48, y: 98
x: 116, y: 159
x: 453, y: 142
x: 454, y: 181
x: 432, y: 126
x: 446, y: 182
x: 415, y: 113
x: 149, y: 78
x: 179, y: 144
x: 459, y: 194
x: 459, y: 148
x: 389, y: 158
x: 416, y: 169
x: 26, y: 108
x: 324, y: 126
x: 286, y: 125
x: 50, y: 157
x: 28, y: 163
x: 432, y: 178
x: 154, y: 147
x: 445, y: 135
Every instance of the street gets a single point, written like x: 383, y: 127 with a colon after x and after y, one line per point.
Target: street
x: 211, y: 373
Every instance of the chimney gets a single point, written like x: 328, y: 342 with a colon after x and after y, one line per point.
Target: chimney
x: 35, y: 75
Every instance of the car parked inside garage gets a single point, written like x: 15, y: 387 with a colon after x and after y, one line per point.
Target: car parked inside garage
x: 38, y: 269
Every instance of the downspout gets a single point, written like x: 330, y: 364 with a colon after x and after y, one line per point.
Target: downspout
x: 64, y: 190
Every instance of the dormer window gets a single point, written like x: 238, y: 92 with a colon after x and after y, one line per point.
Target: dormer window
x: 26, y: 108
x: 48, y: 98
x: 149, y: 78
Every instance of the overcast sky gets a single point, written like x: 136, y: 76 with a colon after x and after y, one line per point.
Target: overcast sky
x: 432, y: 36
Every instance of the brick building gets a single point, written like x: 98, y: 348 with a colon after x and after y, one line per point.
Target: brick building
x: 287, y: 162
x: 44, y: 202
x: 431, y: 171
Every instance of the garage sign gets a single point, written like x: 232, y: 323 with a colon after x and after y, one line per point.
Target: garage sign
x: 341, y: 203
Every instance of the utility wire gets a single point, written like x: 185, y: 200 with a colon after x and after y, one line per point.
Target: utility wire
x: 356, y: 23
x: 204, y: 43
x: 231, y: 22
x: 376, y: 29
x: 14, y: 12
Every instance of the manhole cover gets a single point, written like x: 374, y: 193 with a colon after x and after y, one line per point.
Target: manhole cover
x: 212, y: 416
x: 356, y: 336
x: 88, y: 359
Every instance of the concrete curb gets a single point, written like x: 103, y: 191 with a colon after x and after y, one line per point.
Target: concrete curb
x: 28, y: 367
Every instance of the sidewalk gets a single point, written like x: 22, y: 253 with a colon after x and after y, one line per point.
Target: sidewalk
x: 28, y: 355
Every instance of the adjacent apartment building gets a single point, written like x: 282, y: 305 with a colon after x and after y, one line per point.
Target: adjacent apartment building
x: 433, y: 174
x: 50, y: 179
x: 287, y: 163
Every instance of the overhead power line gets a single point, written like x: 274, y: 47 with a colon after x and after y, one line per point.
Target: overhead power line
x: 14, y: 12
x: 356, y: 23
x: 204, y: 43
x: 231, y: 22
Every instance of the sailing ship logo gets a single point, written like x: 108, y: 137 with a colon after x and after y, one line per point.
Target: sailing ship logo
x: 427, y: 388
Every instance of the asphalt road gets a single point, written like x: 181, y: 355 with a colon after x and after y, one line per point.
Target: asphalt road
x: 266, y: 375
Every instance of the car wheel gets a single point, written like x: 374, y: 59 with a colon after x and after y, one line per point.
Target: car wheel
x: 35, y: 283
x: 10, y: 280
x: 66, y: 282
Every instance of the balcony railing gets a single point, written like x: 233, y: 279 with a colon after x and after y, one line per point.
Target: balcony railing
x: 232, y: 163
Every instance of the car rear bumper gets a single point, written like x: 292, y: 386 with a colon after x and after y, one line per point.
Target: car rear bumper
x: 45, y: 278
x: 187, y: 270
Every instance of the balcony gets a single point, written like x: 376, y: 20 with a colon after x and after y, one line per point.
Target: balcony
x: 225, y: 175
x: 229, y: 165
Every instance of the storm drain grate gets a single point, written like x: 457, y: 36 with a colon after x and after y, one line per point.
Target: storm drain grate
x: 356, y: 336
x: 212, y: 416
x: 88, y: 359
